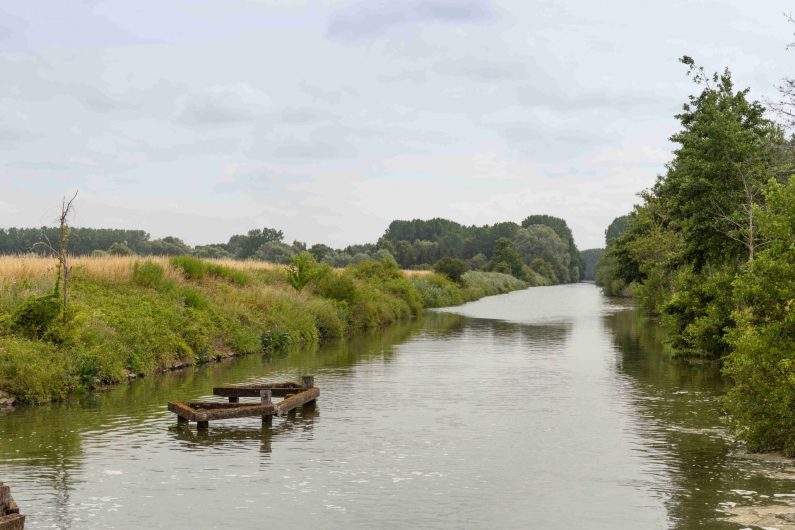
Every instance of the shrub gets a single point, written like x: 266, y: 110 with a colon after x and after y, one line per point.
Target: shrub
x: 119, y: 249
x: 193, y: 268
x: 453, y: 268
x: 35, y: 315
x: 304, y: 268
x: 148, y: 274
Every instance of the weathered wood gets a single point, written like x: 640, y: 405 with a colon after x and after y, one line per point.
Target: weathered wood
x: 234, y: 399
x: 238, y: 391
x: 181, y: 420
x: 307, y: 381
x: 12, y: 522
x: 297, y: 400
x: 204, y: 411
x: 180, y: 409
x: 10, y: 518
x: 202, y: 425
x: 266, y: 399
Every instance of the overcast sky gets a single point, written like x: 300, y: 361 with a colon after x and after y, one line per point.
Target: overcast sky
x: 328, y: 119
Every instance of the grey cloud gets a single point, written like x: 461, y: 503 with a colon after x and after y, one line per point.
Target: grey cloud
x: 369, y: 18
x: 222, y: 105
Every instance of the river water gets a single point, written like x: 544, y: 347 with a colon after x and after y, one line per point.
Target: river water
x: 553, y: 407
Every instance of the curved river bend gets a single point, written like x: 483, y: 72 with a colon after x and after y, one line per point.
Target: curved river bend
x: 552, y: 407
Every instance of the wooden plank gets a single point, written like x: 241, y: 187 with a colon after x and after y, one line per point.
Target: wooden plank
x: 296, y: 401
x: 239, y: 391
x: 181, y: 409
x: 11, y: 506
x: 12, y: 522
x: 307, y: 381
x: 237, y: 410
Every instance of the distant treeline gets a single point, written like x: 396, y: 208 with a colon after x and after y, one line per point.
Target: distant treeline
x: 541, y: 250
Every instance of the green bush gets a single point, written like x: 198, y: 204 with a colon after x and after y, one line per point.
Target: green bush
x: 148, y: 274
x: 304, y: 268
x: 453, y: 268
x: 193, y: 268
x: 35, y: 315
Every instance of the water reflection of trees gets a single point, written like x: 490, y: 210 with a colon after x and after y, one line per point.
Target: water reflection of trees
x: 680, y: 410
x: 549, y: 337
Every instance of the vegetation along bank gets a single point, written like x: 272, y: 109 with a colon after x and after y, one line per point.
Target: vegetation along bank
x: 130, y: 316
x: 710, y: 251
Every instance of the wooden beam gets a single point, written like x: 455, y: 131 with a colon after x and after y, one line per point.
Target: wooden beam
x: 307, y: 381
x: 239, y: 391
x: 14, y: 521
x: 180, y: 409
x: 296, y: 401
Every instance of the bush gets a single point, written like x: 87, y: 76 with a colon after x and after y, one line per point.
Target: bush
x: 193, y: 268
x: 148, y: 274
x: 35, y: 315
x: 304, y: 268
x: 119, y: 249
x: 453, y: 268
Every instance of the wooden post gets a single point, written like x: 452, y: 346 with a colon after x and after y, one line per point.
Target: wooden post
x: 181, y: 420
x: 266, y: 399
x: 202, y: 425
x: 234, y: 399
x: 307, y: 381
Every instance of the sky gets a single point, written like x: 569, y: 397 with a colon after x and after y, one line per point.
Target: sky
x: 330, y: 118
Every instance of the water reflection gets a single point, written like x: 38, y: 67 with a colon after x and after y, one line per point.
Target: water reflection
x: 681, y: 401
x: 546, y: 408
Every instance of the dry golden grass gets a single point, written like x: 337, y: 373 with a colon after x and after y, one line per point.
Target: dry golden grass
x: 411, y: 272
x: 114, y: 268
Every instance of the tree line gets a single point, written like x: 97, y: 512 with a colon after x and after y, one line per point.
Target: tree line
x: 710, y: 252
x: 540, y: 250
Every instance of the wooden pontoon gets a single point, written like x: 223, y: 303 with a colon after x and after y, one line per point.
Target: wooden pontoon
x: 202, y: 412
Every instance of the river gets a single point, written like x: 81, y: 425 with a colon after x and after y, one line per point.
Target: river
x: 552, y: 407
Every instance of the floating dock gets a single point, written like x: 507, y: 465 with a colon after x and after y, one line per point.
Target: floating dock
x: 202, y: 412
x: 10, y: 518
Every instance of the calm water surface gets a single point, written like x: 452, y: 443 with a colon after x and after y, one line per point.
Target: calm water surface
x: 546, y: 408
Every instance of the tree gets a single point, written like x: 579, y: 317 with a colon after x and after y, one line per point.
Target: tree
x: 762, y: 361
x: 506, y: 258
x: 725, y: 151
x: 320, y: 251
x: 119, y: 249
x: 274, y: 252
x: 541, y: 241
x: 453, y: 268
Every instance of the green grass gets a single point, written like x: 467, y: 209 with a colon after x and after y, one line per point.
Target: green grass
x: 155, y: 318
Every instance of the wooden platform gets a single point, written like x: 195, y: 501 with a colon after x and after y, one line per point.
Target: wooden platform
x: 10, y: 518
x: 295, y: 395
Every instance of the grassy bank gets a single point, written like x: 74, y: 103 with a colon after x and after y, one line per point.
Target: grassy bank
x: 129, y: 317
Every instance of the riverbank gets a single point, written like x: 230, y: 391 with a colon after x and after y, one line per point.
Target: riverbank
x: 130, y: 317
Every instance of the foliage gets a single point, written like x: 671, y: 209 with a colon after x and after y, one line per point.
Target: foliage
x: 304, y: 268
x: 119, y: 249
x: 762, y: 361
x: 274, y: 252
x: 453, y: 268
x: 34, y: 317
x: 590, y: 258
x: 506, y: 258
x: 148, y: 274
x: 542, y: 242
